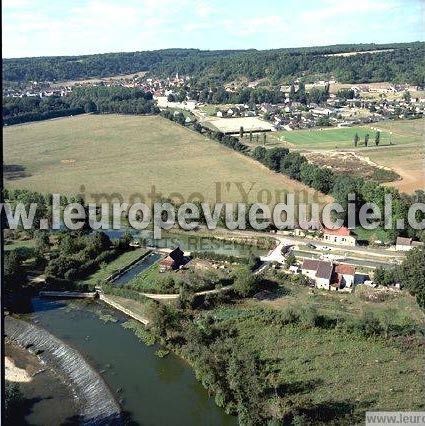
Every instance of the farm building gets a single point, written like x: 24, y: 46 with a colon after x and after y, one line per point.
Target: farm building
x: 343, y: 277
x: 328, y: 276
x: 406, y: 244
x: 173, y: 261
x: 319, y: 271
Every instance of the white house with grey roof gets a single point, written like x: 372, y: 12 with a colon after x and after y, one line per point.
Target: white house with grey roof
x: 319, y: 271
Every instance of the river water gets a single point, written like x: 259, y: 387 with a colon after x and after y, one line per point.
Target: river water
x: 151, y: 390
x: 190, y: 242
x: 145, y: 263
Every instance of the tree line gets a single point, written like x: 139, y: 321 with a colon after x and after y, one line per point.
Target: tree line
x: 92, y: 99
x: 323, y: 179
x: 404, y: 64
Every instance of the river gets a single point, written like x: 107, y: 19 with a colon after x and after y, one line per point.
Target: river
x: 151, y: 390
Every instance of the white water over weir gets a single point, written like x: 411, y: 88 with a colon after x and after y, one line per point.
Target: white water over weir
x: 94, y: 399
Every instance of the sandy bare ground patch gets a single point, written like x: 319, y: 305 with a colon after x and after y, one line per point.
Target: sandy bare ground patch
x: 408, y: 162
x: 234, y: 124
x: 350, y: 162
x: 98, y: 79
x: 163, y: 102
x: 14, y: 373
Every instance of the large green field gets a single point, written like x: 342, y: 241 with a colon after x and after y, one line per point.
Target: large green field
x: 335, y: 137
x: 128, y: 155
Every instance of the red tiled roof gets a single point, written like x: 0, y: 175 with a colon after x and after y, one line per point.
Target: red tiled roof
x: 342, y: 232
x: 345, y: 269
x: 168, y: 261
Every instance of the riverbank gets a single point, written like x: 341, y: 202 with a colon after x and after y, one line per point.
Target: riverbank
x: 95, y: 403
x: 135, y: 375
x: 12, y: 373
x: 43, y: 397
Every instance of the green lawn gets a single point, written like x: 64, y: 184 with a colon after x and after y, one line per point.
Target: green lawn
x: 148, y: 280
x: 18, y: 244
x: 121, y: 261
x: 336, y: 138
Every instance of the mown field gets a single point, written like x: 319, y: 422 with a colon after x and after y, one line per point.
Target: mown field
x: 127, y: 155
x: 335, y: 138
x: 407, y: 161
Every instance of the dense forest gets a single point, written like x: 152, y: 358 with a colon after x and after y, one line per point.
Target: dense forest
x: 406, y: 63
x: 88, y: 99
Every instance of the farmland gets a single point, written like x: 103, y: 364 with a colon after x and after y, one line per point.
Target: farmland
x: 405, y: 157
x: 333, y: 138
x: 115, y: 154
x: 408, y: 162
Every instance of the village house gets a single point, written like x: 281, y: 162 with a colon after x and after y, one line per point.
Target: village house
x: 406, y: 244
x: 343, y: 277
x: 328, y: 276
x: 319, y: 271
x: 174, y: 260
x: 340, y: 236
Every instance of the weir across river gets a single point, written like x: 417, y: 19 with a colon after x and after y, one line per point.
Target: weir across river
x: 96, y: 404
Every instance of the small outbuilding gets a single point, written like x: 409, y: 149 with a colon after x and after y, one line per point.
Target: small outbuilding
x: 174, y: 260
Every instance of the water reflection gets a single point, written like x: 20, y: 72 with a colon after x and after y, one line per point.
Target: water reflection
x: 154, y: 391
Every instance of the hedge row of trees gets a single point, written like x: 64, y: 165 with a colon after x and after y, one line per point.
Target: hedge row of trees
x: 411, y: 273
x: 338, y: 185
x: 93, y: 99
x: 226, y: 140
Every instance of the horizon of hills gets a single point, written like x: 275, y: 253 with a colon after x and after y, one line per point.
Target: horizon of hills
x: 405, y: 62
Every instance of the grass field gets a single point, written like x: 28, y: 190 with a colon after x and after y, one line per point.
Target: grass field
x: 332, y: 375
x: 338, y: 375
x: 406, y: 156
x: 128, y: 155
x: 106, y: 270
x: 408, y: 162
x: 335, y: 138
x: 403, y: 306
